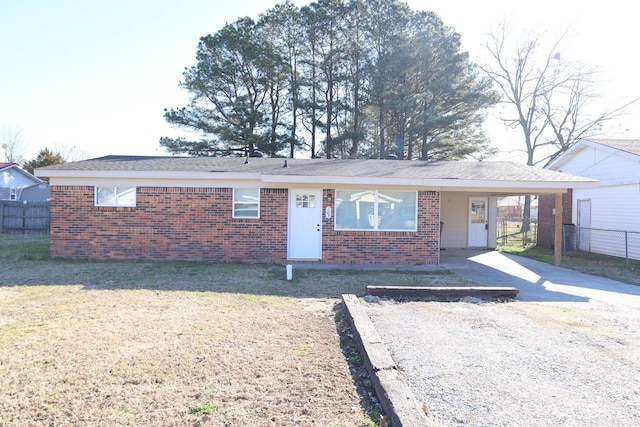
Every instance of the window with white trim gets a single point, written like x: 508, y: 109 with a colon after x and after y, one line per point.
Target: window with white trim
x: 377, y: 210
x: 115, y: 196
x: 246, y: 203
x: 13, y: 194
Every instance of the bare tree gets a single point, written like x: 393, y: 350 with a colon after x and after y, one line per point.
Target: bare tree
x: 69, y: 153
x: 565, y: 100
x: 551, y: 100
x: 13, y: 144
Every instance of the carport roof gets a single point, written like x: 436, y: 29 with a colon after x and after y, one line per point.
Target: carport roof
x: 361, y: 172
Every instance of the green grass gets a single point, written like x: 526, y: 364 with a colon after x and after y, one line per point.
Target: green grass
x: 510, y: 234
x: 23, y: 247
x: 204, y: 409
x: 28, y: 263
x: 585, y: 262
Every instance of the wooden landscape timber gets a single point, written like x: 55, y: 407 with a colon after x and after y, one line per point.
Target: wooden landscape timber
x: 443, y: 293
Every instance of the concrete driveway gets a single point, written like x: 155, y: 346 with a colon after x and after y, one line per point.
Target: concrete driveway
x: 536, y: 280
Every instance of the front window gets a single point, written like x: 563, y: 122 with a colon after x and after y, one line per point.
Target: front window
x: 246, y: 203
x: 376, y: 210
x: 115, y: 196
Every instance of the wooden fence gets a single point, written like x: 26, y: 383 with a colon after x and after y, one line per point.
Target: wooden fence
x: 25, y: 217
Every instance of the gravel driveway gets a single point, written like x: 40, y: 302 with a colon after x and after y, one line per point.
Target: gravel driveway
x: 517, y: 363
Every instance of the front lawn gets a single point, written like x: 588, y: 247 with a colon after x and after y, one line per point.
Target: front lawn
x: 176, y: 343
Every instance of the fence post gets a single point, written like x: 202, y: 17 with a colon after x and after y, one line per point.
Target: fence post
x: 1, y: 217
x: 503, y: 226
x: 626, y: 248
x: 24, y: 217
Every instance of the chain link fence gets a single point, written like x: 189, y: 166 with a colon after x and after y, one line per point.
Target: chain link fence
x: 513, y: 231
x: 618, y: 243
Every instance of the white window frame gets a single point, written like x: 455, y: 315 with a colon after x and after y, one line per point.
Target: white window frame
x: 237, y: 204
x: 118, y: 202
x: 13, y: 194
x: 376, y: 214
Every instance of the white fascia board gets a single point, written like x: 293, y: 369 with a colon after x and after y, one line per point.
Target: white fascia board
x: 610, y: 150
x: 443, y: 184
x: 577, y: 146
x: 557, y: 163
x: 77, y: 176
x: 508, y: 185
x: 24, y: 173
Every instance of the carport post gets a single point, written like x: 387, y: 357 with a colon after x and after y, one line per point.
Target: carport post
x: 557, y: 235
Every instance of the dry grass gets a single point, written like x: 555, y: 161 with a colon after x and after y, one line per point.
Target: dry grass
x: 143, y: 357
x: 140, y: 343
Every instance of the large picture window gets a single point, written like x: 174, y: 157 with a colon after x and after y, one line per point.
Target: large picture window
x: 115, y: 196
x: 376, y: 210
x: 246, y: 203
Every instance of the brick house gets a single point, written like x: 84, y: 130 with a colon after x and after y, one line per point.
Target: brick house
x: 277, y: 210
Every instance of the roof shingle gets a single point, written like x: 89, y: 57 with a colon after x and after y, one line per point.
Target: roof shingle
x: 628, y: 145
x: 458, y: 170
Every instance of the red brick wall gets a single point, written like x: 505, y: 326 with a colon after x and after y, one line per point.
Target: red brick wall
x: 168, y: 223
x: 546, y: 220
x: 385, y: 247
x: 196, y: 224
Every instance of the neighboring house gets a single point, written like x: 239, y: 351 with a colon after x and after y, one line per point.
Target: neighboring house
x: 602, y: 214
x: 282, y: 210
x: 513, y: 207
x: 18, y: 184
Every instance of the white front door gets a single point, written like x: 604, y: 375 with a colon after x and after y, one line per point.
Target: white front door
x: 584, y: 225
x: 478, y: 224
x: 305, y: 224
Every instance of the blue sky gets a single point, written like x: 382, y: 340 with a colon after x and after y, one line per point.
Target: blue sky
x: 97, y: 75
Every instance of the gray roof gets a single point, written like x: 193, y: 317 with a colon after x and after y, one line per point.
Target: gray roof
x: 628, y: 145
x: 458, y: 170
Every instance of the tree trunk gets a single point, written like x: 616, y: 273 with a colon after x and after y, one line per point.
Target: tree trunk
x: 294, y: 108
x: 329, y: 98
x: 353, y: 152
x: 314, y: 101
x: 381, y: 126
